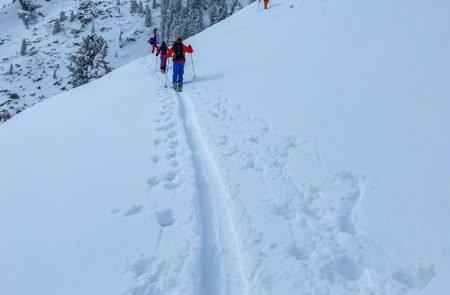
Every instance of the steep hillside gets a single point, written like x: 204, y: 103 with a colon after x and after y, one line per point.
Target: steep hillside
x: 307, y: 155
x: 41, y: 71
x: 37, y: 38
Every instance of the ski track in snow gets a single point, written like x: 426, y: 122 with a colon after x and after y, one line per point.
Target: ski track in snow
x: 213, y: 209
x: 218, y: 268
x: 316, y: 232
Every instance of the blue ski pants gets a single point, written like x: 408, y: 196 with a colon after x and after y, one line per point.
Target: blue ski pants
x: 178, y: 71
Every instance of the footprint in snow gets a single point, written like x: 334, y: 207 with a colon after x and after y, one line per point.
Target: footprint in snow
x: 171, y: 134
x: 155, y: 159
x: 170, y: 176
x: 115, y: 211
x: 134, y: 210
x: 165, y: 127
x: 172, y: 185
x: 166, y: 218
x: 153, y: 181
x: 171, y: 155
x: 173, y: 144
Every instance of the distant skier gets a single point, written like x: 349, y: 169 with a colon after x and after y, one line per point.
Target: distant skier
x: 163, y: 51
x: 154, y: 42
x: 266, y: 3
x: 178, y: 50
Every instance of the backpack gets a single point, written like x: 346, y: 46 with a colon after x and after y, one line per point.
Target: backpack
x: 163, y: 48
x: 152, y: 41
x: 178, y: 51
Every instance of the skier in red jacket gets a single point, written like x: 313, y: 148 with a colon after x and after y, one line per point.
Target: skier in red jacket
x: 178, y: 50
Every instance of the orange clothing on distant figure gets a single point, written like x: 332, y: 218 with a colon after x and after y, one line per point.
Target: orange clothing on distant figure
x: 266, y: 3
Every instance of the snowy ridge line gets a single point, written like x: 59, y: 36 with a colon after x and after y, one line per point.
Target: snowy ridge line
x: 217, y: 198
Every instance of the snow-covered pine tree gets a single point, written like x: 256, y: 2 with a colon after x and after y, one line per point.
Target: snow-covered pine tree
x: 26, y: 5
x: 23, y: 48
x: 235, y: 6
x: 133, y: 6
x: 118, y: 6
x: 87, y: 11
x: 213, y: 14
x: 164, y: 18
x: 180, y: 25
x: 218, y: 11
x: 54, y: 74
x: 222, y: 10
x: 27, y: 12
x: 72, y: 16
x: 140, y: 8
x: 11, y: 70
x: 57, y: 26
x: 195, y: 23
x: 154, y: 5
x: 148, y: 16
x: 89, y: 62
x: 62, y: 16
x: 120, y: 39
x: 174, y: 19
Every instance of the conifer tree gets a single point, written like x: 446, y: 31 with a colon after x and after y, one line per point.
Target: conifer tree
x: 57, y: 26
x: 72, y: 16
x: 154, y: 5
x: 148, y: 17
x: 26, y: 5
x: 174, y: 20
x: 213, y: 14
x: 164, y: 19
x: 89, y: 62
x: 222, y: 10
x: 180, y: 24
x: 62, y: 16
x: 11, y: 69
x: 140, y: 8
x: 120, y: 39
x: 195, y: 22
x: 218, y: 11
x: 23, y: 48
x: 133, y: 6
x: 235, y: 6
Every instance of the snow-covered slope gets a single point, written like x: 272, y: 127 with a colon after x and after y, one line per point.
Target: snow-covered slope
x: 32, y: 79
x: 310, y: 155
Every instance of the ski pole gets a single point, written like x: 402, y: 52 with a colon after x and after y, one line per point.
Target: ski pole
x: 167, y: 69
x: 192, y: 62
x: 156, y: 62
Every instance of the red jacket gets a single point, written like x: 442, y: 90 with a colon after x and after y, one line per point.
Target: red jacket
x: 186, y: 49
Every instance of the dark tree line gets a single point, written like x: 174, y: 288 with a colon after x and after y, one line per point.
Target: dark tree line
x: 185, y: 20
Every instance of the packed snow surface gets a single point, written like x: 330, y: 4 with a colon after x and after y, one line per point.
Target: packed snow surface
x: 310, y: 154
